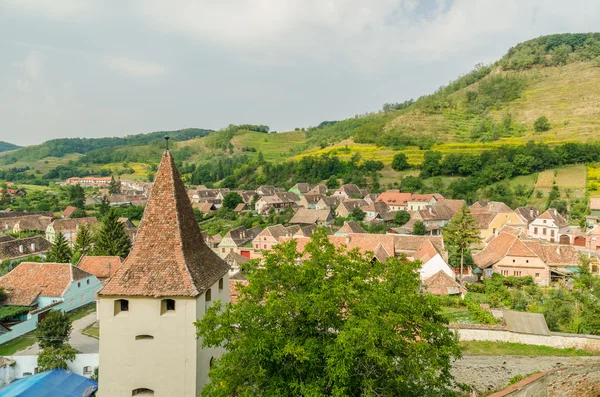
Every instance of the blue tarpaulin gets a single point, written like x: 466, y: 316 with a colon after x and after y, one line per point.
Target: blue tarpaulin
x: 56, y: 383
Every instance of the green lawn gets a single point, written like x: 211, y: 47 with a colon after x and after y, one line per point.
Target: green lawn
x: 517, y: 349
x: 274, y: 147
x: 17, y: 344
x: 82, y: 311
x: 92, y: 330
x: 459, y: 315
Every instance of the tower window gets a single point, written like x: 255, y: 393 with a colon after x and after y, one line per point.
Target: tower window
x: 144, y: 337
x: 207, y: 296
x: 121, y: 305
x: 221, y: 284
x: 142, y: 392
x: 167, y: 305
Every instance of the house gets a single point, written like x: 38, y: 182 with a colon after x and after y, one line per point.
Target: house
x: 527, y: 214
x: 241, y: 207
x: 68, y: 227
x: 370, y: 197
x: 442, y: 284
x: 344, y: 210
x: 236, y: 281
x: 129, y: 228
x: 510, y: 255
x: 490, y: 223
x: 328, y: 203
x: 69, y: 211
x: 103, y: 267
x: 238, y: 240
x: 205, y: 195
x: 89, y: 181
x: 595, y: 206
x: 348, y: 191
x: 148, y: 307
x: 26, y: 221
x: 266, y: 203
x: 432, y: 261
x: 349, y: 227
x: 14, y: 249
x: 39, y: 287
x: 418, y: 202
x: 385, y: 217
x: 235, y: 262
x: 270, y: 236
x: 211, y: 241
x: 266, y: 190
x: 550, y: 226
x: 319, y: 189
x: 287, y: 196
x: 454, y: 205
x: 300, y: 189
x: 311, y: 217
x: 374, y: 209
x: 309, y: 201
x: 593, y: 239
x: 205, y: 207
x: 32, y: 223
x: 394, y: 199
x: 434, y: 216
x: 248, y: 196
x: 490, y: 206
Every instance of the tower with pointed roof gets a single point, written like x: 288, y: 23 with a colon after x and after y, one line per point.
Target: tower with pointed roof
x: 147, y: 309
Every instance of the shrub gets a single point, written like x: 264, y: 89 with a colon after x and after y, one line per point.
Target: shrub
x: 541, y: 124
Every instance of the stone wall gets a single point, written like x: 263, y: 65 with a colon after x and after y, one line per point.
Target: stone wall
x: 581, y: 381
x: 472, y: 332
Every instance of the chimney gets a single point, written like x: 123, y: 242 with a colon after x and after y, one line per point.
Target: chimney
x: 21, y: 248
x: 531, y: 213
x: 33, y: 247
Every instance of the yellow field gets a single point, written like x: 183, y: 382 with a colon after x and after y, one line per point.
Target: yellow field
x: 593, y: 180
x: 571, y: 177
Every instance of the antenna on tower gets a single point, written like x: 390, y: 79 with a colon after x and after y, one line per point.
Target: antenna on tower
x: 167, y: 137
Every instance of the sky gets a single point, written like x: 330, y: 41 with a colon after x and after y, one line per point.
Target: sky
x: 92, y: 68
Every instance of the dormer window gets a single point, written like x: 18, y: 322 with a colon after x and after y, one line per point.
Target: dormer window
x: 167, y: 306
x: 121, y: 306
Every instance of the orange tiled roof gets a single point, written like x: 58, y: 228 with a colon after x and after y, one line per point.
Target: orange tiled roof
x: 29, y: 280
x: 100, y: 266
x: 169, y: 257
x: 394, y: 198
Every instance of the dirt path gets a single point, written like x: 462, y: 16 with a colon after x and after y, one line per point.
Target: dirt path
x: 490, y: 373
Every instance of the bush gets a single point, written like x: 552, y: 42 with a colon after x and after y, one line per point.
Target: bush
x: 476, y: 288
x: 541, y: 124
x: 483, y: 316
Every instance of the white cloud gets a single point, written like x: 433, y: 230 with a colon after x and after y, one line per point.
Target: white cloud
x: 32, y: 65
x: 52, y: 8
x: 134, y: 67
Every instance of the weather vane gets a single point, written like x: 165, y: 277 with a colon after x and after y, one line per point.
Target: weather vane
x: 167, y: 137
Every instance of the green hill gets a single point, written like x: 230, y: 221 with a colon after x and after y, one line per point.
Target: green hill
x: 5, y: 146
x: 554, y: 78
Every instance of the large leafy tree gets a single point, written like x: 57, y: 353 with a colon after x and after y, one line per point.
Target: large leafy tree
x: 401, y: 217
x: 419, y: 228
x: 461, y: 233
x: 114, y: 187
x: 53, y: 333
x: 231, y: 200
x: 400, y: 162
x: 112, y: 239
x: 77, y: 196
x: 60, y: 252
x: 335, y: 324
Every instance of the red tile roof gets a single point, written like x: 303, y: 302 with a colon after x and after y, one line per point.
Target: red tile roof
x: 69, y: 211
x: 100, y: 266
x: 169, y: 257
x: 29, y: 280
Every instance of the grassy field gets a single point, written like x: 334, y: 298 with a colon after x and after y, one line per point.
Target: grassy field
x: 593, y: 180
x: 17, y: 344
x: 572, y: 177
x: 459, y: 315
x: 274, y: 147
x: 517, y: 349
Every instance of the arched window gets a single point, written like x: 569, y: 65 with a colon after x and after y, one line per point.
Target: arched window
x: 167, y: 306
x: 121, y: 306
x: 207, y: 296
x: 144, y: 337
x: 142, y: 392
x: 221, y: 284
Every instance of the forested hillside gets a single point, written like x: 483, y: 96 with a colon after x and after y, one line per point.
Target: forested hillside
x: 5, y: 146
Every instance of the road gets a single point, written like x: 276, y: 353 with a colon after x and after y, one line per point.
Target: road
x: 81, y: 342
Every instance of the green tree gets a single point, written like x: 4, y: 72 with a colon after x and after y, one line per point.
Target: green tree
x: 400, y: 162
x: 541, y: 124
x: 114, y: 187
x: 460, y: 233
x: 345, y: 326
x: 112, y: 239
x: 419, y: 229
x: 401, y: 217
x: 59, y: 252
x: 56, y: 357
x: 83, y: 243
x: 54, y: 330
x: 103, y: 207
x: 231, y: 200
x: 332, y: 182
x: 432, y: 163
x: 411, y: 184
x: 357, y: 214
x: 77, y: 196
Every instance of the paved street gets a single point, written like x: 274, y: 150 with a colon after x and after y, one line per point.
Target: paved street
x: 83, y: 343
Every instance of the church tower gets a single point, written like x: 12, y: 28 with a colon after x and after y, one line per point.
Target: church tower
x: 148, y: 344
